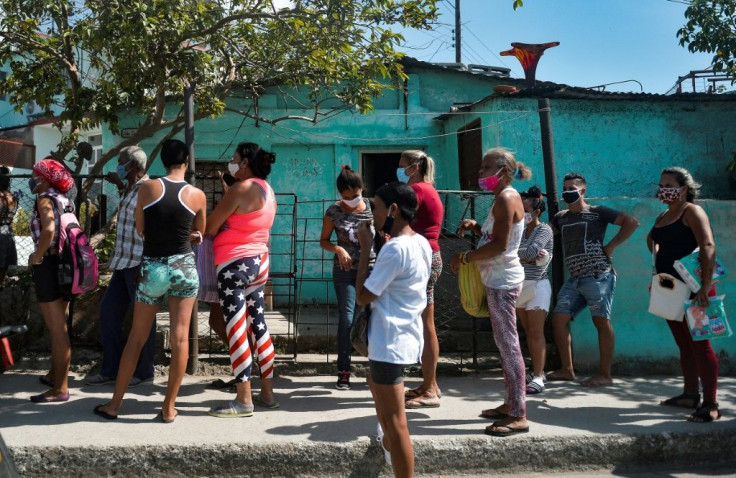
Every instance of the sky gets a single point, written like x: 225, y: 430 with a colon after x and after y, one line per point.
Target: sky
x: 601, y: 41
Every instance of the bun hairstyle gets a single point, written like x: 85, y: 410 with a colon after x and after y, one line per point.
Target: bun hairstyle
x: 348, y: 179
x: 536, y: 198
x: 402, y: 195
x: 426, y: 163
x: 505, y: 160
x: 261, y: 163
x: 173, y: 153
x: 684, y: 178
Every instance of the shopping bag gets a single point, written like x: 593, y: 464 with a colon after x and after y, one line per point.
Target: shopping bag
x: 472, y: 291
x: 667, y: 296
x: 708, y: 322
x: 206, y: 270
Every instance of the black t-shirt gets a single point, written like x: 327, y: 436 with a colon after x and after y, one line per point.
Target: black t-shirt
x: 583, y: 234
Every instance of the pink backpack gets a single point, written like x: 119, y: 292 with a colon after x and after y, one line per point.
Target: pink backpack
x: 78, y: 266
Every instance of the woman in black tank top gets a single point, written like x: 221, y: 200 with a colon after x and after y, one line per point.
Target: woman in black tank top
x: 681, y: 228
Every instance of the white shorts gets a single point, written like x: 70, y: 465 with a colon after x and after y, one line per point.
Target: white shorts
x: 535, y: 295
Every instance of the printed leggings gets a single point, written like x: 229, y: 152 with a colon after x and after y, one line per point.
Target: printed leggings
x: 502, y: 309
x: 241, y: 287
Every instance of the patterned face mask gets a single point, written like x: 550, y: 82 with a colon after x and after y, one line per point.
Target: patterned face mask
x: 668, y: 195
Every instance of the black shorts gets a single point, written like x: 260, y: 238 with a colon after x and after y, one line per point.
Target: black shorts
x: 384, y: 373
x: 46, y: 281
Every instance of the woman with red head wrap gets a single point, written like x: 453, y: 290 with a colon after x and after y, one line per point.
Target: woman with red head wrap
x: 50, y: 180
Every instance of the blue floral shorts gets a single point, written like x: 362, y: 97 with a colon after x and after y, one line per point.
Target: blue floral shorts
x: 175, y: 275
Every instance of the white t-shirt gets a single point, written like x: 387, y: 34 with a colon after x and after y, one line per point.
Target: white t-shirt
x: 399, y: 279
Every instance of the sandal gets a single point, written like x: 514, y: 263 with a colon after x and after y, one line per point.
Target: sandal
x: 534, y: 388
x: 686, y: 400
x: 703, y: 413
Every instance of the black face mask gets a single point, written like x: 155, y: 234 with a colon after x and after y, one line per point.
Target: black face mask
x: 388, y: 224
x: 571, y: 197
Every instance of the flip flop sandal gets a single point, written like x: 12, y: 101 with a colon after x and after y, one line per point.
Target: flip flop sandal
x: 534, y: 388
x: 163, y: 419
x: 100, y: 412
x: 493, y: 414
x: 686, y: 400
x: 422, y: 403
x: 504, y: 431
x: 260, y: 401
x: 702, y: 414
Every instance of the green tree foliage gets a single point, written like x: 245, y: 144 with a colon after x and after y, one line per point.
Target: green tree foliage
x: 99, y: 60
x: 711, y: 28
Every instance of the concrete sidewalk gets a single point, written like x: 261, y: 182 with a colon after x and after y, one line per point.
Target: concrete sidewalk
x: 319, y: 431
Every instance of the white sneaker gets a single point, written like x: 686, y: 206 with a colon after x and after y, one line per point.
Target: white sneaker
x: 379, y: 431
x: 386, y: 453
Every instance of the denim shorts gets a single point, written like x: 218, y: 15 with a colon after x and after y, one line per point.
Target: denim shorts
x: 175, y: 275
x: 595, y: 292
x: 384, y: 373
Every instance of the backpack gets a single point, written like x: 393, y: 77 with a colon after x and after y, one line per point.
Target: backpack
x: 78, y: 265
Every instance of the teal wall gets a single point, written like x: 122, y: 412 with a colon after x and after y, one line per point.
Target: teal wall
x: 619, y: 146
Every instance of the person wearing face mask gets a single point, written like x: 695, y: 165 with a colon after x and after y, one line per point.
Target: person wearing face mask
x: 592, y: 279
x: 124, y: 264
x: 397, y: 293
x: 502, y: 274
x: 416, y: 168
x: 681, y: 228
x: 241, y: 224
x: 535, y: 252
x: 50, y: 181
x: 343, y: 218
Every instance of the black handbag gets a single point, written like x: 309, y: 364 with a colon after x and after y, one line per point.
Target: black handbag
x: 359, y: 331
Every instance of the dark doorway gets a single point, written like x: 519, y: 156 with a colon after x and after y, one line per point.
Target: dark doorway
x: 469, y: 154
x: 378, y: 169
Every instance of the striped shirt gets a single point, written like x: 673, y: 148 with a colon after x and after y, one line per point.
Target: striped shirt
x: 128, y: 244
x: 530, y: 247
x: 56, y: 197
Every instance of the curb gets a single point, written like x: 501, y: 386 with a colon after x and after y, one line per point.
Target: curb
x: 363, y: 458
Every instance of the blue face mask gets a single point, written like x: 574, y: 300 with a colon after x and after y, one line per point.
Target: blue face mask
x: 402, y: 176
x: 122, y: 173
x: 31, y: 184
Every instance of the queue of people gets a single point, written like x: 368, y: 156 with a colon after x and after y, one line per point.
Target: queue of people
x: 159, y: 221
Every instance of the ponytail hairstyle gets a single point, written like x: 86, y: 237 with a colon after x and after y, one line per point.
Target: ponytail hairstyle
x: 684, y: 178
x: 536, y: 198
x: 348, y: 179
x: 261, y: 163
x: 426, y: 163
x: 506, y: 161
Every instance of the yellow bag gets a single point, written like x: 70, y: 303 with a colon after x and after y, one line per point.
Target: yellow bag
x: 472, y: 291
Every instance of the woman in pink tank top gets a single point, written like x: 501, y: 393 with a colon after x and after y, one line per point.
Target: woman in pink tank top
x: 241, y: 224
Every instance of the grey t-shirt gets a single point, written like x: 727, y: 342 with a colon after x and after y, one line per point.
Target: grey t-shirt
x: 346, y: 228
x: 583, y: 234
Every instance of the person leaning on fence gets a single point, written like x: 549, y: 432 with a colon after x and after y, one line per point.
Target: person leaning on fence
x: 416, y: 168
x: 535, y: 253
x: 8, y: 208
x: 397, y: 293
x: 681, y: 228
x: 241, y: 224
x: 343, y: 218
x: 167, y: 212
x: 502, y: 274
x: 51, y: 180
x: 592, y: 279
x: 124, y: 264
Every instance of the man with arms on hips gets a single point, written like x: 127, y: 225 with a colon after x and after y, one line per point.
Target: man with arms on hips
x: 125, y: 264
x: 592, y: 279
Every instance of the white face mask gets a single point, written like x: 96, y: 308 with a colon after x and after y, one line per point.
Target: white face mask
x: 352, y: 203
x: 233, y: 168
